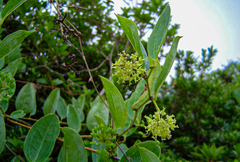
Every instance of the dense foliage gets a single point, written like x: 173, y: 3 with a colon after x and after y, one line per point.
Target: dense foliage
x: 205, y: 104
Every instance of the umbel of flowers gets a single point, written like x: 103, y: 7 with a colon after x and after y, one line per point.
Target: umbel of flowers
x: 128, y: 68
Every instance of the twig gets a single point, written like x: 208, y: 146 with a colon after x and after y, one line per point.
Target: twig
x: 13, y: 152
x: 128, y: 159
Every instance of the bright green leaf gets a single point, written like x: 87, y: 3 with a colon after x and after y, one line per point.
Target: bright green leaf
x: 115, y: 103
x: 9, y: 8
x: 99, y: 109
x: 9, y: 43
x: 41, y: 138
x: 62, y: 108
x: 73, y: 118
x: 26, y: 99
x: 2, y: 133
x: 130, y: 29
x: 167, y: 66
x: 158, y: 34
x: 73, y: 148
x: 17, y: 114
x: 51, y: 103
x: 100, y: 121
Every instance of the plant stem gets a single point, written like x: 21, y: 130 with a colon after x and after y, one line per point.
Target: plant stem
x: 13, y: 153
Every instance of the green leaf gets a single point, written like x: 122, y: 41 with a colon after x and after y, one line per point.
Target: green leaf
x: 147, y: 155
x: 12, y: 67
x: 100, y: 121
x: 79, y: 105
x: 2, y: 63
x: 104, y: 156
x: 73, y: 148
x: 119, y: 152
x: 62, y: 108
x: 115, y: 103
x: 17, y: 114
x: 9, y: 8
x: 41, y: 138
x: 56, y: 82
x: 158, y: 34
x: 236, y: 95
x: 130, y: 112
x: 151, y: 146
x: 99, y: 109
x: 167, y: 65
x: 145, y: 56
x: 2, y: 132
x: 4, y: 104
x: 73, y: 118
x: 26, y: 99
x: 9, y: 43
x: 51, y: 103
x: 130, y: 29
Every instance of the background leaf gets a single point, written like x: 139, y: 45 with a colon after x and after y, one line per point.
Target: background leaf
x: 158, y: 34
x: 73, y: 148
x: 115, y: 103
x: 51, y: 103
x: 41, y: 138
x: 73, y: 118
x: 2, y: 132
x: 26, y: 99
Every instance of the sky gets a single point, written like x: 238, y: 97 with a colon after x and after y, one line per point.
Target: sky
x: 204, y: 23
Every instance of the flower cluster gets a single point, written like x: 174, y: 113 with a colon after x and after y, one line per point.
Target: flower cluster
x: 160, y: 124
x: 129, y: 68
x: 7, y: 86
x: 105, y: 135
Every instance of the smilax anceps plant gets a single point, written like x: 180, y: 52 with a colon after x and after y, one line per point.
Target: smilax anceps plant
x: 110, y: 120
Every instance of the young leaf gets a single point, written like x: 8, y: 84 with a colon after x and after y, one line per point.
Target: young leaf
x: 9, y: 43
x: 2, y: 132
x: 73, y: 118
x: 62, y: 108
x: 17, y: 114
x: 41, y: 138
x: 73, y: 148
x: 51, y: 103
x: 9, y: 8
x: 130, y: 29
x: 115, y: 102
x: 26, y: 99
x: 99, y: 109
x: 167, y: 65
x: 158, y: 34
x: 12, y: 67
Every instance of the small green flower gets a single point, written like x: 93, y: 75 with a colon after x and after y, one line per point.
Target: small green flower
x: 160, y: 124
x: 129, y: 68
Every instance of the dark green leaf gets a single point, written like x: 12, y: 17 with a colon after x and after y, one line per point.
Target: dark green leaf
x: 1, y: 63
x: 2, y: 132
x: 119, y: 152
x: 79, y: 105
x: 147, y: 155
x: 115, y: 103
x: 73, y: 118
x: 130, y: 29
x: 167, y: 66
x: 99, y: 109
x: 158, y: 34
x: 151, y: 146
x: 12, y: 67
x: 4, y: 104
x: 26, y: 99
x: 9, y: 43
x: 9, y: 8
x: 104, y: 156
x: 73, y: 148
x: 51, y: 103
x: 41, y: 138
x: 17, y: 114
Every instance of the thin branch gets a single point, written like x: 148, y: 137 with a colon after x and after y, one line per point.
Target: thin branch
x: 8, y: 148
